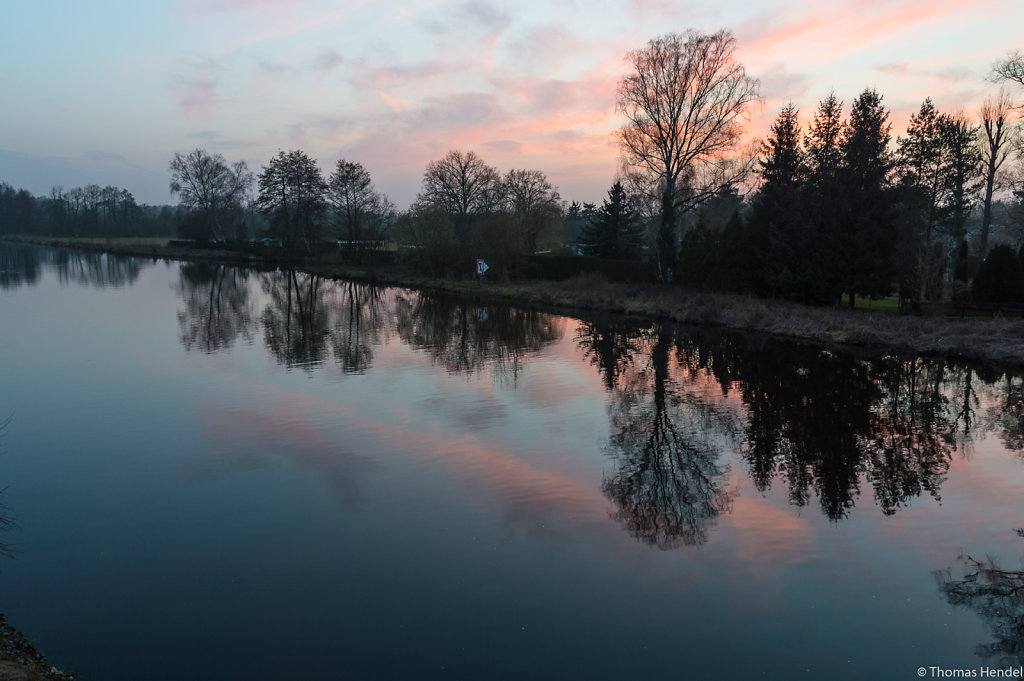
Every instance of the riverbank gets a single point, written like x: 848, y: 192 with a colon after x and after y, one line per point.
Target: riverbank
x: 20, y: 661
x: 998, y: 342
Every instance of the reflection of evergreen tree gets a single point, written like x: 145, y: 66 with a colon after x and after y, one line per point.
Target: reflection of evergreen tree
x: 806, y: 411
x: 997, y: 595
x: 821, y: 420
x: 610, y: 347
x: 914, y: 433
x: 1009, y: 412
x: 216, y: 307
x: 669, y: 487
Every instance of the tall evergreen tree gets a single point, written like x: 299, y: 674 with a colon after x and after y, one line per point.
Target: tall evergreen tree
x: 779, y: 228
x: 614, y: 231
x: 823, y: 198
x: 868, y: 222
x: 921, y: 172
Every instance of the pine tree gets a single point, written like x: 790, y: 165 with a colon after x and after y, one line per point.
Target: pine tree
x: 614, y: 231
x: 778, y: 226
x: 868, y: 221
x: 823, y: 199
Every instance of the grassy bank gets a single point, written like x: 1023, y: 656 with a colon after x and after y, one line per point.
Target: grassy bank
x: 995, y: 341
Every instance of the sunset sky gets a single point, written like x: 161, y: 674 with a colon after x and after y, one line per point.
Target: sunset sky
x: 107, y: 91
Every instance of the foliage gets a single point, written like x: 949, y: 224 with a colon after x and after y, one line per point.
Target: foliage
x: 614, y: 230
x: 868, y: 224
x: 426, y: 236
x: 293, y: 196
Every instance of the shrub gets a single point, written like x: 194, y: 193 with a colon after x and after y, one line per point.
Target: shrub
x: 1000, y: 278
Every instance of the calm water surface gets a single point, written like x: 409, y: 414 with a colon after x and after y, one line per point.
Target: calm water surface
x: 217, y: 473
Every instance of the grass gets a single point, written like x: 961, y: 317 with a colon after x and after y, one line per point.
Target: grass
x: 881, y: 305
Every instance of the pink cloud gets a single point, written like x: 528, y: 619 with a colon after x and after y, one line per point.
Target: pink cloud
x: 196, y: 97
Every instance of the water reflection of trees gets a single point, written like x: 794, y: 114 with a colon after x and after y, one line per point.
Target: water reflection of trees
x: 670, y: 486
x: 23, y: 264
x: 216, y: 306
x: 19, y: 265
x: 308, y: 318
x: 463, y: 336
x: 824, y: 423
x: 102, y: 270
x: 997, y: 595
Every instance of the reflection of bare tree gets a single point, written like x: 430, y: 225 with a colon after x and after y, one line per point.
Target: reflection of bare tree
x: 465, y: 337
x: 823, y: 421
x: 670, y: 486
x: 102, y: 270
x: 997, y: 595
x: 217, y: 309
x: 22, y: 264
x: 19, y: 265
x: 295, y: 320
x: 364, y: 320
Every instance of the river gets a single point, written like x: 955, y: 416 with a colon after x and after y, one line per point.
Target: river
x: 215, y: 473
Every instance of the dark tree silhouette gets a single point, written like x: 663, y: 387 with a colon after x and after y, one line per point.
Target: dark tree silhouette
x: 214, y: 193
x: 868, y: 223
x: 615, y: 230
x: 292, y: 195
x: 778, y: 216
x: 685, y: 102
x: 1000, y: 278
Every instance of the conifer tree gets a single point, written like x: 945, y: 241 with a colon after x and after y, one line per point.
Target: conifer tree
x: 868, y: 223
x: 614, y: 231
x: 778, y: 226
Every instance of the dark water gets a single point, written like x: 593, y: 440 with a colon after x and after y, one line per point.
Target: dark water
x: 227, y: 474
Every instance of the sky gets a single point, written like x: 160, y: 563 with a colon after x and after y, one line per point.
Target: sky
x: 107, y: 91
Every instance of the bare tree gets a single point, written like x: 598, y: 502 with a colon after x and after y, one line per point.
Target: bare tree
x: 1011, y: 68
x: 462, y: 184
x: 684, y: 102
x: 998, y: 137
x: 212, y: 190
x: 362, y: 212
x: 535, y: 207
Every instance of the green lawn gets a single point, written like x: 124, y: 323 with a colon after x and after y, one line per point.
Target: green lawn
x: 881, y: 305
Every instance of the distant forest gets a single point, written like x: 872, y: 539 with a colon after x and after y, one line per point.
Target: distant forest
x: 833, y: 207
